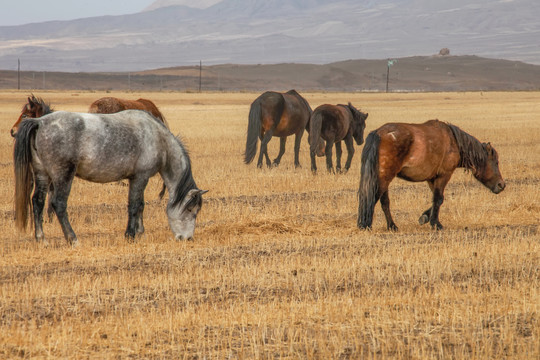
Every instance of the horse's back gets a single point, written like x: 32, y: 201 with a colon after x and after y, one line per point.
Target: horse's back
x: 101, y: 147
x: 420, y: 151
x: 107, y: 105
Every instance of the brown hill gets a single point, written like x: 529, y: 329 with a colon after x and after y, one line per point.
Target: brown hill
x: 433, y: 73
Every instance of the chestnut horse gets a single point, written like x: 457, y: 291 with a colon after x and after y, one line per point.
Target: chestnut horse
x: 335, y: 123
x: 34, y: 108
x: 111, y: 105
x: 421, y: 152
x: 276, y: 114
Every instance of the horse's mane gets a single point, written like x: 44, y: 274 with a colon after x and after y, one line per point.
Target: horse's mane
x: 186, y: 182
x: 471, y: 151
x: 47, y: 109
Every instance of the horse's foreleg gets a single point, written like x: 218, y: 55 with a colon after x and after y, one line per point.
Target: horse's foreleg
x: 328, y: 151
x: 385, y: 204
x: 38, y: 202
x: 338, y: 156
x: 282, y: 142
x: 424, y: 218
x: 59, y: 204
x: 438, y: 198
x: 350, y: 152
x: 264, y: 148
x: 136, y: 207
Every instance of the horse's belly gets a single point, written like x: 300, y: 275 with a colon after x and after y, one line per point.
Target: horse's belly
x: 415, y: 174
x: 104, y: 173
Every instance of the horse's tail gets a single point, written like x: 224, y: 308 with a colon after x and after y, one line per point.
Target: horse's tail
x: 22, y: 160
x: 315, y: 126
x: 254, y: 128
x: 369, y: 180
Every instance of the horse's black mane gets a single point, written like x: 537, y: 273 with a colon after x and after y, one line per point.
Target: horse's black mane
x: 471, y: 151
x: 47, y: 109
x: 186, y: 182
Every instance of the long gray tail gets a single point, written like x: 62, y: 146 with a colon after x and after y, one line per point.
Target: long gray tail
x: 368, y: 193
x: 315, y: 126
x: 24, y: 182
x: 254, y: 128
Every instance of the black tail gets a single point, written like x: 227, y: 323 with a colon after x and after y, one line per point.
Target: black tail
x: 315, y: 126
x: 368, y: 193
x: 22, y: 160
x: 254, y: 128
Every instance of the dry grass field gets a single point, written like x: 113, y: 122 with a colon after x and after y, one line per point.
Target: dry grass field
x: 278, y: 268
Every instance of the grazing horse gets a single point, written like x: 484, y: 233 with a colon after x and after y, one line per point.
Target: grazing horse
x: 34, y: 108
x: 111, y: 105
x: 421, y: 152
x: 335, y: 123
x: 101, y: 148
x: 276, y: 114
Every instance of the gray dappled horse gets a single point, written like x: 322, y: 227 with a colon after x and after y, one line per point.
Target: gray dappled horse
x: 101, y: 148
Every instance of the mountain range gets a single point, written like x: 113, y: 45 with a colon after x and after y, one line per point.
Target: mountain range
x: 170, y: 33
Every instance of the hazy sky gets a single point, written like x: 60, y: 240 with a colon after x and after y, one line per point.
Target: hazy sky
x: 17, y: 12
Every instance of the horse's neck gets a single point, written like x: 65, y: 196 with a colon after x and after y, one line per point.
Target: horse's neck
x: 175, y: 166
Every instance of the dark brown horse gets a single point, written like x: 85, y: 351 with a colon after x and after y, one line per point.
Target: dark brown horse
x: 111, y: 105
x: 34, y: 108
x: 276, y: 114
x: 335, y: 123
x: 421, y: 152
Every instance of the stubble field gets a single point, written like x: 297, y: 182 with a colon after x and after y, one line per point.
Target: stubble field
x: 278, y: 268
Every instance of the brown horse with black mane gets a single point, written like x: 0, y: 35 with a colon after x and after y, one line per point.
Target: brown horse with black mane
x: 34, y: 108
x: 110, y: 105
x: 421, y: 152
x: 276, y: 114
x: 335, y: 123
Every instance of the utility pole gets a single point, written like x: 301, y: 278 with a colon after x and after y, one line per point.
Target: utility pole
x: 18, y: 74
x: 200, y: 75
x: 390, y: 63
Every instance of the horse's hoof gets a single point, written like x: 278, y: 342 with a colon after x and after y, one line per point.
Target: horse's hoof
x: 423, y: 219
x: 437, y: 226
x: 393, y: 228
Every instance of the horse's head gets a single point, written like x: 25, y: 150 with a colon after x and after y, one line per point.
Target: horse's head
x: 489, y: 174
x: 182, y: 218
x: 358, y: 124
x: 34, y: 108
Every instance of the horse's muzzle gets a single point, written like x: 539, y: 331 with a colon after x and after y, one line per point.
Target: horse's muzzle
x: 499, y: 187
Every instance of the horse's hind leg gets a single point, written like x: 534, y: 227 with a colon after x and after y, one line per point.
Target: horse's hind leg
x: 385, y: 204
x: 136, y: 206
x: 264, y: 148
x: 60, y: 196
x: 282, y: 142
x: 50, y: 210
x: 38, y: 202
x: 328, y: 151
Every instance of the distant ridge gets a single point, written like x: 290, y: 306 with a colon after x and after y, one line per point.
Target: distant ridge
x: 276, y: 31
x: 420, y: 73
